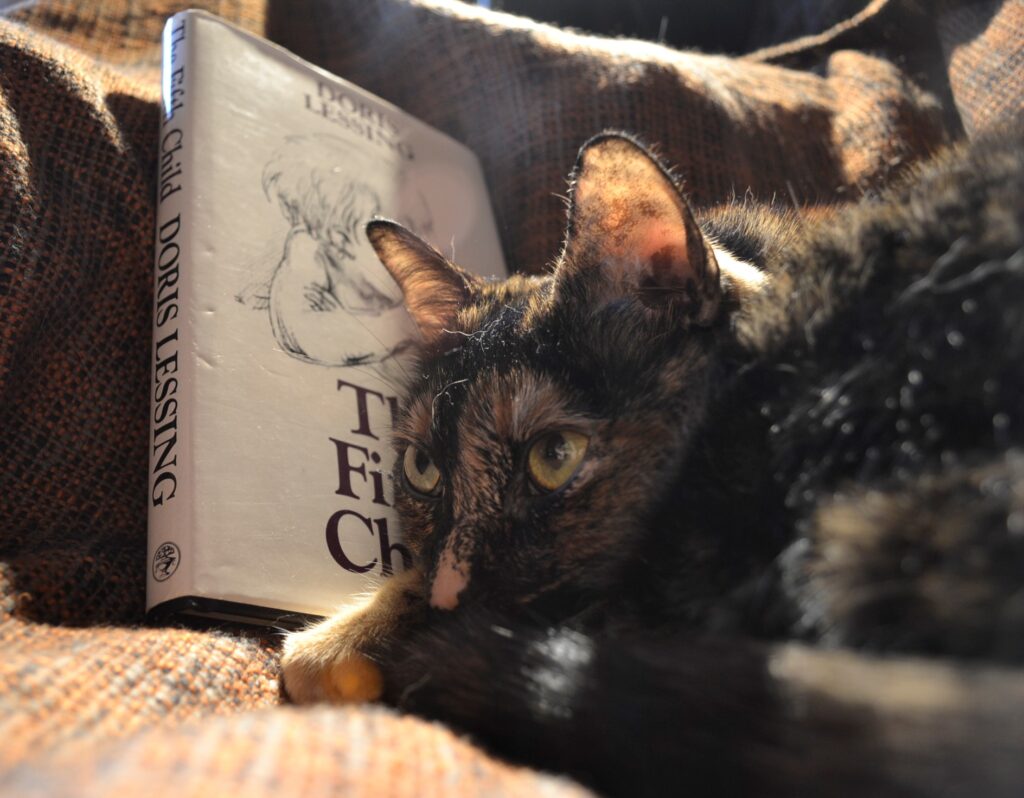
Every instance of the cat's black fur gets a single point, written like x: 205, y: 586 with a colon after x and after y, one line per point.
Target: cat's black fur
x: 640, y: 713
x: 851, y: 475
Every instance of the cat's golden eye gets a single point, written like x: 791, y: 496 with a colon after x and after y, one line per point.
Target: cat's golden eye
x: 420, y: 472
x: 554, y: 458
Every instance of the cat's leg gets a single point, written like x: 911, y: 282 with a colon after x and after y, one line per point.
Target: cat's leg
x: 932, y: 564
x: 636, y: 713
x: 332, y: 660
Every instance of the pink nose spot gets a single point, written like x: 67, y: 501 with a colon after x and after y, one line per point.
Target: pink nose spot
x: 450, y: 580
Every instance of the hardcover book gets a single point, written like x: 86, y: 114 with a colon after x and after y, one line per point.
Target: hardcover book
x: 279, y: 340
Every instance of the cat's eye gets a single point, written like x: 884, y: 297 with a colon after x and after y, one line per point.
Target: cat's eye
x: 554, y: 458
x: 420, y: 472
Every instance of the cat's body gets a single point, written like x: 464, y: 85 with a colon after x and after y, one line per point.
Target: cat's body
x: 865, y: 426
x: 627, y: 483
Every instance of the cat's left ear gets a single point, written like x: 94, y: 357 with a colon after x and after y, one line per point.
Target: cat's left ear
x: 434, y: 288
x: 632, y: 232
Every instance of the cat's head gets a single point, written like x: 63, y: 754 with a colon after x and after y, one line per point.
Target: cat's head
x: 551, y: 414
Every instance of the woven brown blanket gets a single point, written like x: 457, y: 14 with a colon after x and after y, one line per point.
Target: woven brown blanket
x: 91, y: 702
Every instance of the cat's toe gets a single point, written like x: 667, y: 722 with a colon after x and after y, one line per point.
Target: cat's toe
x: 301, y: 673
x: 310, y: 675
x: 353, y: 679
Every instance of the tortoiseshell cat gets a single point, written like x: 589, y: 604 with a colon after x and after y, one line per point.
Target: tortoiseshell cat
x: 671, y: 504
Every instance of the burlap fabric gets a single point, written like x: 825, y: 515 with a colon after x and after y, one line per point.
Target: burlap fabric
x: 820, y: 119
x: 981, y: 43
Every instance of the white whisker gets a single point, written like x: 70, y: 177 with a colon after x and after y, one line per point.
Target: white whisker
x: 444, y: 390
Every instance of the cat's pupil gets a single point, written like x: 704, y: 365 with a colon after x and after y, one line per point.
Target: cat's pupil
x: 422, y: 462
x: 556, y: 448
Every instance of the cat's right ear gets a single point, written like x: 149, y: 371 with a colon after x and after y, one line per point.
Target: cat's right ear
x: 434, y: 288
x: 631, y: 233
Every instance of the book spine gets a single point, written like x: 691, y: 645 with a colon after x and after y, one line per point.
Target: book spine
x: 170, y: 496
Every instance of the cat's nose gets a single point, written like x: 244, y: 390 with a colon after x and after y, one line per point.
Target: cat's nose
x: 451, y: 579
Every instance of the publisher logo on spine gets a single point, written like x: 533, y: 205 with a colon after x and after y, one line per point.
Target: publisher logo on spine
x: 165, y: 561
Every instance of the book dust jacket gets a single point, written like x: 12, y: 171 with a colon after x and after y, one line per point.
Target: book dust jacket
x: 280, y: 342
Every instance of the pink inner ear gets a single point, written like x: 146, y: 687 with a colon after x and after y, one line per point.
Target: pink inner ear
x: 629, y: 222
x: 659, y: 240
x: 633, y: 204
x: 632, y: 212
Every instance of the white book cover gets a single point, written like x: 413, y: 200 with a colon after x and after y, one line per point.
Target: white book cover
x: 280, y: 341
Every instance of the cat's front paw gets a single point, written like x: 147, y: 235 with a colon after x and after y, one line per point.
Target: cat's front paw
x: 331, y: 661
x: 319, y: 665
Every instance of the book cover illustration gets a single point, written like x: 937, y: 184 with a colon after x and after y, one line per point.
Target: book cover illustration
x: 329, y: 303
x: 279, y: 368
